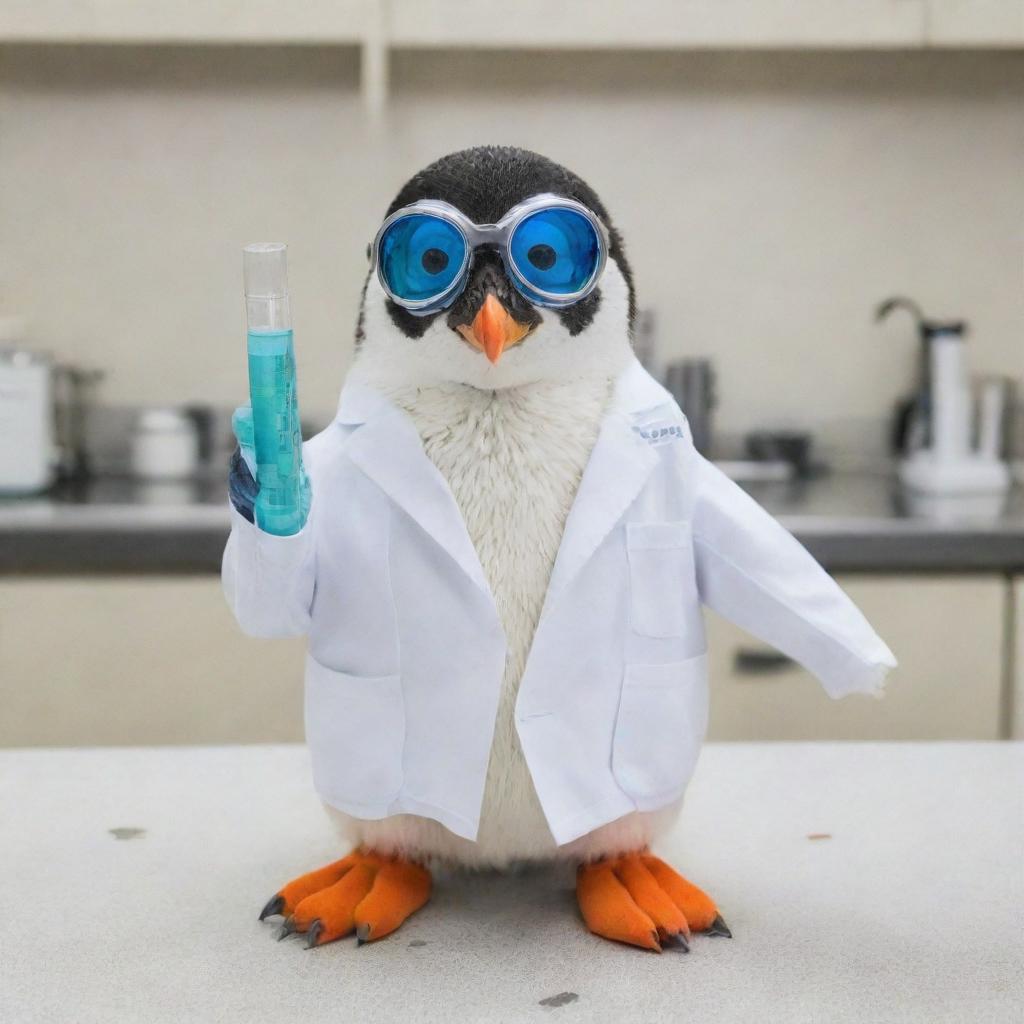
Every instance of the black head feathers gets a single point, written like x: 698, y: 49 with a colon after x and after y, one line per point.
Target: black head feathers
x: 485, y: 183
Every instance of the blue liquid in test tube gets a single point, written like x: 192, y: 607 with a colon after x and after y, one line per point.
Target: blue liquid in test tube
x: 268, y: 431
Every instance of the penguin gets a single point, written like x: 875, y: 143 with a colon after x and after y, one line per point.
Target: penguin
x: 512, y: 433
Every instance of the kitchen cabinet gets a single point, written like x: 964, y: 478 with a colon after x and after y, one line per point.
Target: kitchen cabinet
x: 660, y: 24
x: 375, y: 28
x: 975, y: 23
x: 212, y: 21
x: 453, y: 24
x: 159, y: 659
x: 139, y: 660
x: 949, y: 634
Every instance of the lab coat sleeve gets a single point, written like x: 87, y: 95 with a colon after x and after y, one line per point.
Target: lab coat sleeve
x: 755, y: 573
x: 269, y: 580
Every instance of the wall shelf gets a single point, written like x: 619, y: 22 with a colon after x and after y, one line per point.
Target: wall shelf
x: 203, y: 22
x: 377, y: 26
x: 659, y: 24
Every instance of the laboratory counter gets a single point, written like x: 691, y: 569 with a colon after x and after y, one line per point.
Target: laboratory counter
x: 851, y: 523
x: 862, y: 882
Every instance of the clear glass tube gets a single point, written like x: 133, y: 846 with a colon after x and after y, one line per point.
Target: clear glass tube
x: 275, y: 436
x: 265, y: 271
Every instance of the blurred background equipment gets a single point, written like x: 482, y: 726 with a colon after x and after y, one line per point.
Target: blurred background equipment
x: 790, y: 447
x: 692, y: 384
x: 950, y: 442
x: 74, y: 397
x: 912, y: 418
x: 27, y: 463
x: 165, y: 445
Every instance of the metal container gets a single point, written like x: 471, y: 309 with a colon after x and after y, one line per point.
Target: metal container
x: 692, y: 384
x: 73, y: 396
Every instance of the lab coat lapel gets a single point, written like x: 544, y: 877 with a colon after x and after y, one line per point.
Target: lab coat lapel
x: 387, y: 448
x: 615, y: 474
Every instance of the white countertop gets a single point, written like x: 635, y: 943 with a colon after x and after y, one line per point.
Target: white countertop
x: 910, y: 911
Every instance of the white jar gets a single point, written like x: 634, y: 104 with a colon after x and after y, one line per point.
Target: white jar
x: 27, y: 454
x: 165, y: 445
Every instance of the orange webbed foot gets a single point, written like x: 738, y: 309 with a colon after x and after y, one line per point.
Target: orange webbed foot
x: 365, y: 892
x: 640, y: 900
x: 700, y: 909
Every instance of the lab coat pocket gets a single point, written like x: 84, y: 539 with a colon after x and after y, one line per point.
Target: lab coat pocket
x: 355, y: 729
x: 661, y: 577
x: 663, y: 713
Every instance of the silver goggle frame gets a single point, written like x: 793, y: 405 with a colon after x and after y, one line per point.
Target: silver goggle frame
x: 491, y: 236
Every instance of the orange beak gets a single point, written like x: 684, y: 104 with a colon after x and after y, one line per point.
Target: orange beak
x: 494, y: 329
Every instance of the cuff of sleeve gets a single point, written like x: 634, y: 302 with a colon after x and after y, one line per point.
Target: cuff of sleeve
x: 266, y: 548
x: 860, y: 676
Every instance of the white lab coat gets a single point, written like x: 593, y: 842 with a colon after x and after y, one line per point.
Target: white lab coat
x: 406, y: 651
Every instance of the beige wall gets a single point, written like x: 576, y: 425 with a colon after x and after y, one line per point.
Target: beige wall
x: 767, y: 200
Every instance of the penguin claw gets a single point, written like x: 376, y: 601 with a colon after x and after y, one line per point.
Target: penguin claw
x: 676, y: 941
x: 719, y: 927
x: 322, y: 904
x: 274, y: 906
x: 313, y: 932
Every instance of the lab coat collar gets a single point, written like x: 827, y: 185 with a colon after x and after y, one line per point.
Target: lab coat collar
x: 387, y: 448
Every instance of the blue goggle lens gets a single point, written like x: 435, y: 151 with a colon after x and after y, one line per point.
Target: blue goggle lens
x: 556, y: 251
x: 420, y: 256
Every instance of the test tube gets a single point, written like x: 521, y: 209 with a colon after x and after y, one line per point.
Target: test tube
x: 270, y: 436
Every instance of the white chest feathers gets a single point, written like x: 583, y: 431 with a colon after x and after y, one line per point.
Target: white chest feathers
x: 513, y: 460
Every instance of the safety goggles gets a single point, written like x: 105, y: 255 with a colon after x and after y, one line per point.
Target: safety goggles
x: 554, y: 251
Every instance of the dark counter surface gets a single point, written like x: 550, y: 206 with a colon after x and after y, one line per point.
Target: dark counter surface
x: 116, y: 525
x: 858, y: 523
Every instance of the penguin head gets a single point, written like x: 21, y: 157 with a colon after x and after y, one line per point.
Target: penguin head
x: 492, y: 336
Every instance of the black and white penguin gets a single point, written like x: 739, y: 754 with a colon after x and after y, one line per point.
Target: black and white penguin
x: 508, y: 398
x: 512, y: 435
